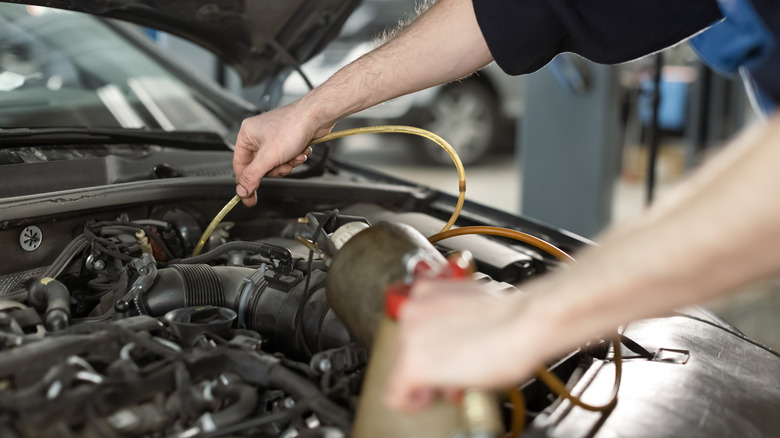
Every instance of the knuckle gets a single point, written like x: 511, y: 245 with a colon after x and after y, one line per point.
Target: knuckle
x: 247, y: 180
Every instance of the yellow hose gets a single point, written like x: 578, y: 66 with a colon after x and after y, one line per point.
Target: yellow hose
x: 396, y: 129
x: 551, y: 380
x: 505, y: 232
x: 389, y: 129
x: 558, y: 387
x: 518, y: 415
x: 213, y: 225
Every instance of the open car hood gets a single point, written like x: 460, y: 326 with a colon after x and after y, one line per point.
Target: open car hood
x: 259, y: 38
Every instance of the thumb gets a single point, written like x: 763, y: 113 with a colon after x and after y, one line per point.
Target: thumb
x: 248, y: 180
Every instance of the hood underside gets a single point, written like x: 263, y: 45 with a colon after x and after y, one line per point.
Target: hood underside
x: 259, y: 38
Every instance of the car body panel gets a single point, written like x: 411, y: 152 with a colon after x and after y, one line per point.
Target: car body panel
x: 248, y: 34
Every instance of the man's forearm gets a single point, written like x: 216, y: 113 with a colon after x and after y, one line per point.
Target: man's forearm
x: 442, y: 45
x: 721, y: 231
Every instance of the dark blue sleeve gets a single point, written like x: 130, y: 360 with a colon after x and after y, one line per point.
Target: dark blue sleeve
x: 524, y: 35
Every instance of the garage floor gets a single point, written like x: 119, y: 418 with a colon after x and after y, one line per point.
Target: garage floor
x: 495, y: 182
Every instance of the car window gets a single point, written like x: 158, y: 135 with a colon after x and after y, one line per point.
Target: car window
x: 60, y: 68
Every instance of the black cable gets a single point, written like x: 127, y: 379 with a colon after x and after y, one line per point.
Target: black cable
x: 238, y: 245
x: 133, y: 227
x: 327, y: 217
x: 104, y: 244
x: 298, y: 325
x: 119, y: 228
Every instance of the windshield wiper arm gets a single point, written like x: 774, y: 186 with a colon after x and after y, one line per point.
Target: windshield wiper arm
x: 193, y: 140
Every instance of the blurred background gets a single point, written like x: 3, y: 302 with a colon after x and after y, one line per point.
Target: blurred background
x: 576, y: 145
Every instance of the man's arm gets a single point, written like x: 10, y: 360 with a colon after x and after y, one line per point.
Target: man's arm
x: 716, y: 232
x: 442, y: 45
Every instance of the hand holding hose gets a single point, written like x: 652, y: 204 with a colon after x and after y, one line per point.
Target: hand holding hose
x: 273, y: 144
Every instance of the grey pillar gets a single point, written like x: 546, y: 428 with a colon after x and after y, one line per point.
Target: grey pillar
x: 570, y: 144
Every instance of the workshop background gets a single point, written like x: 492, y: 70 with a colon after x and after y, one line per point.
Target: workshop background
x: 569, y: 145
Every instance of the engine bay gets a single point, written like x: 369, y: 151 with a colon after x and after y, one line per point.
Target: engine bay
x: 110, y: 328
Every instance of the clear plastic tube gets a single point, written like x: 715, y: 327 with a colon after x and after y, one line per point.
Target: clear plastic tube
x: 213, y: 225
x: 505, y: 232
x: 397, y: 129
x: 388, y: 129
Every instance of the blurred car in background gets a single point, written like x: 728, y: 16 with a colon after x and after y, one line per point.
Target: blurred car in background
x: 476, y: 115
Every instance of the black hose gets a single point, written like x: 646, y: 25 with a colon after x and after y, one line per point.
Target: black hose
x: 282, y: 254
x: 302, y: 389
x: 55, y: 297
x: 242, y: 398
x: 75, y: 246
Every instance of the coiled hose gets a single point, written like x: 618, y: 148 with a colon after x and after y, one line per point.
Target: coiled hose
x: 551, y: 380
x: 387, y: 129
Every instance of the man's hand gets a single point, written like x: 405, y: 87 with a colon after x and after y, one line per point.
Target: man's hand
x: 443, y: 45
x: 272, y: 144
x: 452, y: 336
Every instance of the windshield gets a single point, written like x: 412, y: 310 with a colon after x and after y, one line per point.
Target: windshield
x: 60, y: 68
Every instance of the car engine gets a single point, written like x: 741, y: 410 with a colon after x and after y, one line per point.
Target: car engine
x: 122, y: 333
x: 109, y: 327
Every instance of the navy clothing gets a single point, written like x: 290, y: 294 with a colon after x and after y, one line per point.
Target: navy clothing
x: 524, y: 35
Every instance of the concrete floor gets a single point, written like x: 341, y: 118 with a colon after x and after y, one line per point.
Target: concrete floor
x: 496, y: 182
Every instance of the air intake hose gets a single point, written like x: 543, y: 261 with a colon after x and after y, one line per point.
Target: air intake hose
x: 264, y: 301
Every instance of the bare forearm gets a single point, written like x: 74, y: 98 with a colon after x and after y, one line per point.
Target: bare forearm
x: 442, y: 45
x: 720, y: 231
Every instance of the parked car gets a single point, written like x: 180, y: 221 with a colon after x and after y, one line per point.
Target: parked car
x: 476, y: 115
x: 112, y: 162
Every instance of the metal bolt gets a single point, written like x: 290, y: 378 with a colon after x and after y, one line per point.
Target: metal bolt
x: 303, y: 220
x: 99, y: 265
x: 288, y: 403
x: 325, y: 365
x: 95, y: 263
x: 31, y: 238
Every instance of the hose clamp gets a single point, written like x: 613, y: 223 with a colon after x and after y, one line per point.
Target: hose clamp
x: 251, y: 283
